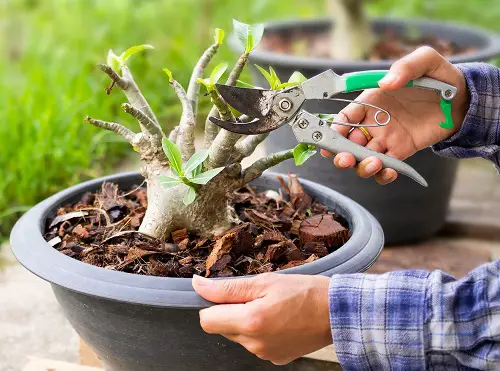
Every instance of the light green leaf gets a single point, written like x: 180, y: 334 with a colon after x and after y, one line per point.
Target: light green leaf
x: 217, y: 73
x: 275, y: 77
x: 169, y: 73
x: 173, y: 154
x: 302, y: 152
x: 266, y: 75
x: 134, y: 49
x: 190, y: 196
x: 114, y: 61
x: 219, y: 36
x: 174, y: 172
x: 197, y: 159
x: 245, y: 84
x: 205, y: 82
x: 168, y: 181
x: 206, y: 176
x: 197, y: 170
x: 297, y: 78
x: 286, y: 85
x: 250, y: 36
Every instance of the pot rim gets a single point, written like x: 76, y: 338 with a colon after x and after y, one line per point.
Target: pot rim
x: 490, y: 44
x: 36, y: 255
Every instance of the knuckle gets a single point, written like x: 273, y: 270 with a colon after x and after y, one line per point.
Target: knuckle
x: 257, y: 348
x: 232, y: 287
x: 254, y: 324
x: 427, y: 50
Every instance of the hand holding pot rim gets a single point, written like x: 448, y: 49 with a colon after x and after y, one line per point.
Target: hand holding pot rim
x: 415, y: 114
x: 277, y: 317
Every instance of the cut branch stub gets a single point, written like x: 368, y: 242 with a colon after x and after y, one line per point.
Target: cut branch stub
x: 323, y: 229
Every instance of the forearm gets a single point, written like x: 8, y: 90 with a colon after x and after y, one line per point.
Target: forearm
x: 479, y: 135
x: 415, y: 320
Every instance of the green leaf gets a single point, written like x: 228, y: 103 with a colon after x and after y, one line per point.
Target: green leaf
x: 134, y: 49
x: 176, y: 174
x: 173, y: 154
x: 302, y: 152
x: 297, y: 78
x: 205, y: 82
x: 219, y: 36
x: 169, y: 73
x: 250, y: 36
x: 275, y: 77
x: 197, y: 159
x: 168, y: 181
x: 266, y: 75
x: 286, y: 85
x: 217, y: 73
x: 190, y: 196
x: 205, y: 177
x: 114, y: 61
x: 197, y: 170
x: 245, y: 84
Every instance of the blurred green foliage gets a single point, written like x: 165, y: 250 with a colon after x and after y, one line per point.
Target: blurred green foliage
x: 48, y: 79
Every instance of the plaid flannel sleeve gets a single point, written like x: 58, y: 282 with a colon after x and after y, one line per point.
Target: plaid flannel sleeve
x: 416, y: 320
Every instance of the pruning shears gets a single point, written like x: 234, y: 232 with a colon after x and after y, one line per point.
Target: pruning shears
x: 270, y: 109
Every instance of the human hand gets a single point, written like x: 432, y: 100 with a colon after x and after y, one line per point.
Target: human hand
x: 415, y: 113
x: 277, y: 317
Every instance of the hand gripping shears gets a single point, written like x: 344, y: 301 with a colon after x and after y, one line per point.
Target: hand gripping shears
x: 270, y: 109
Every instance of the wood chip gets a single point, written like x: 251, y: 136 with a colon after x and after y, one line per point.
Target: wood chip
x: 325, y: 229
x: 80, y: 232
x: 179, y: 235
x: 62, y: 218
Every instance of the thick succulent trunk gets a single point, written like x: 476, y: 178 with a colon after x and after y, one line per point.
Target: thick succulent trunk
x: 166, y: 212
x: 352, y: 36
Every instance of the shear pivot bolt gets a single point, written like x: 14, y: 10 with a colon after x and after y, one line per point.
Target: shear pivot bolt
x: 448, y: 93
x: 317, y: 136
x: 303, y: 123
x: 285, y: 105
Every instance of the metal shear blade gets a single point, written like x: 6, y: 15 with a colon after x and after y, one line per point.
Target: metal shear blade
x: 257, y: 126
x: 251, y: 102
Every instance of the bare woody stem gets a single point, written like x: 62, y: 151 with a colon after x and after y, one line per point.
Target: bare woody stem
x: 173, y: 134
x: 145, y: 122
x: 211, y: 130
x: 187, y: 124
x: 225, y: 140
x: 247, y: 146
x: 258, y: 167
x: 113, y: 75
x: 112, y: 126
x: 193, y: 90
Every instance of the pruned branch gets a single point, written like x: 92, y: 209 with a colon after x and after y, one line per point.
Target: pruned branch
x: 225, y: 140
x: 173, y: 134
x: 144, y: 121
x: 112, y: 126
x: 193, y: 90
x: 258, y: 167
x: 114, y: 76
x: 187, y: 124
x: 211, y: 130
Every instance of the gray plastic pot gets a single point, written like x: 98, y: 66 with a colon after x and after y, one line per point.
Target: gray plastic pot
x: 145, y: 323
x: 406, y: 211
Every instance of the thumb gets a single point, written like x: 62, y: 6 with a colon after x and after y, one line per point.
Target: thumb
x: 424, y: 61
x: 233, y: 291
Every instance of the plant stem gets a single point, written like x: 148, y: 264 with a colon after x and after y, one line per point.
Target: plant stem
x: 185, y: 135
x: 112, y: 126
x: 258, y: 167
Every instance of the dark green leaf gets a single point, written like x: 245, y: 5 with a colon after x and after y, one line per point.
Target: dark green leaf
x: 190, y: 196
x: 302, y: 152
x: 205, y: 177
x: 197, y: 159
x: 173, y: 154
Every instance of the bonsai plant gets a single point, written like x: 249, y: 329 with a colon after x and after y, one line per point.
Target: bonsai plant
x: 347, y: 40
x: 147, y: 322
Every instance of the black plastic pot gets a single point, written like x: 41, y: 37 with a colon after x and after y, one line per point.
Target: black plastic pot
x: 145, y: 323
x: 406, y: 211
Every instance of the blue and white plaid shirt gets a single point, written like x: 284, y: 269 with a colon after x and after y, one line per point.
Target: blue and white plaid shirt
x: 416, y: 320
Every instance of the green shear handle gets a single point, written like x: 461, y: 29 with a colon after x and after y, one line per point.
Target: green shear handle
x: 370, y: 79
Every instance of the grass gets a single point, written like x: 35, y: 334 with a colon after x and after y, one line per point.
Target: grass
x: 49, y: 81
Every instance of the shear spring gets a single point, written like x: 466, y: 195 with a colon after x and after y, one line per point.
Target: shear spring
x: 378, y: 123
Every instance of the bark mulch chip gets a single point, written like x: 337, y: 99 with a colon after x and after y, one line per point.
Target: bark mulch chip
x: 277, y: 231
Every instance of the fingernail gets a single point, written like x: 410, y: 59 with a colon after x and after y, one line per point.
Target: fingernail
x: 202, y: 281
x: 387, y: 176
x: 388, y: 79
x: 371, y: 167
x: 342, y: 163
